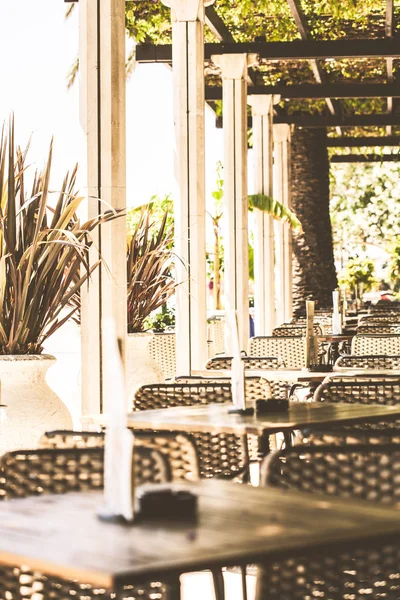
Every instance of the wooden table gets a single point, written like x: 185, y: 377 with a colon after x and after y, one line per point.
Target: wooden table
x: 215, y: 417
x: 61, y: 536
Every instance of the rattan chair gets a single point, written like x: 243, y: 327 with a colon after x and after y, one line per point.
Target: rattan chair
x: 276, y: 389
x: 361, y: 471
x: 378, y: 328
x: 250, y: 362
x: 367, y: 362
x: 220, y: 455
x: 216, y: 335
x: 375, y: 344
x: 162, y: 348
x: 58, y: 471
x: 294, y: 330
x: 25, y: 473
x: 362, y: 389
x: 178, y: 449
x: 379, y: 319
x: 367, y: 570
x: 341, y: 436
x: 290, y: 350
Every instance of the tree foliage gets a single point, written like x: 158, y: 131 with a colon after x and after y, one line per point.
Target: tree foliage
x: 358, y: 274
x: 364, y: 205
x: 148, y: 21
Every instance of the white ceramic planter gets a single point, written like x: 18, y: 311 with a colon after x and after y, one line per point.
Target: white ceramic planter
x: 141, y: 368
x: 32, y: 407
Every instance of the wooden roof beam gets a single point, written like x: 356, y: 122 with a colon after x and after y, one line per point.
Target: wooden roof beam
x: 217, y: 26
x: 362, y: 142
x: 374, y: 120
x: 318, y: 72
x: 285, y: 51
x: 317, y: 91
x: 364, y: 158
x: 389, y: 30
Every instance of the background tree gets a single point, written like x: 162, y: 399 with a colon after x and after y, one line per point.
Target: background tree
x: 314, y: 275
x: 358, y: 275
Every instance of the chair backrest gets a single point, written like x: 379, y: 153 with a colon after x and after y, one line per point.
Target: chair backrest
x: 220, y: 455
x: 370, y: 361
x: 179, y: 448
x: 221, y: 363
x: 378, y: 328
x: 357, y: 471
x: 256, y: 388
x: 340, y: 436
x: 293, y: 330
x: 57, y: 471
x: 290, y: 350
x: 375, y: 344
x: 361, y: 389
x: 162, y: 348
x: 216, y: 329
x: 357, y: 571
x: 379, y: 319
x: 167, y: 395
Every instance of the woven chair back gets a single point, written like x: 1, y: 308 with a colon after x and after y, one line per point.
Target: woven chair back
x: 178, y: 449
x: 360, y: 471
x: 162, y: 348
x: 220, y: 455
x: 378, y: 328
x: 375, y: 344
x: 289, y: 350
x: 370, y: 361
x: 58, y: 471
x: 361, y: 389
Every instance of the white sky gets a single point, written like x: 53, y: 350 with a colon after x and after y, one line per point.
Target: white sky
x: 37, y: 48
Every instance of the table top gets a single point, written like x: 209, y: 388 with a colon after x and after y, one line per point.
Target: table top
x: 61, y: 535
x: 215, y: 417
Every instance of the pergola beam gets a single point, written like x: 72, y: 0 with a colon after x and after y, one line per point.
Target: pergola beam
x: 217, y: 26
x: 361, y: 142
x: 389, y: 29
x: 285, y: 51
x: 364, y: 158
x: 319, y: 73
x: 317, y: 91
x: 381, y: 120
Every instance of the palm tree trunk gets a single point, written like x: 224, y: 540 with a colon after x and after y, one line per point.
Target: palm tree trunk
x: 314, y: 276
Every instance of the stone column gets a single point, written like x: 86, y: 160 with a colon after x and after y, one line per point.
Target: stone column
x: 236, y: 272
x: 190, y: 206
x: 264, y: 281
x: 102, y: 114
x: 283, y: 235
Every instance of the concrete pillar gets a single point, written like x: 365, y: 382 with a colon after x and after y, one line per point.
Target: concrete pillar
x: 236, y: 273
x: 264, y: 280
x: 283, y: 247
x: 190, y: 206
x: 102, y: 114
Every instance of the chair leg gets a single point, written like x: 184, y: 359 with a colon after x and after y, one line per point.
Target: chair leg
x: 244, y: 581
x: 288, y: 438
x: 173, y: 589
x: 219, y: 584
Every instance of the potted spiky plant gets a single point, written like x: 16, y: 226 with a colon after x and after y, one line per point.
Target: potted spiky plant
x: 150, y: 284
x: 43, y: 264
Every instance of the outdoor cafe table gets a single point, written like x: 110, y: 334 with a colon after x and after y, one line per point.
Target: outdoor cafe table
x: 301, y: 415
x: 60, y: 535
